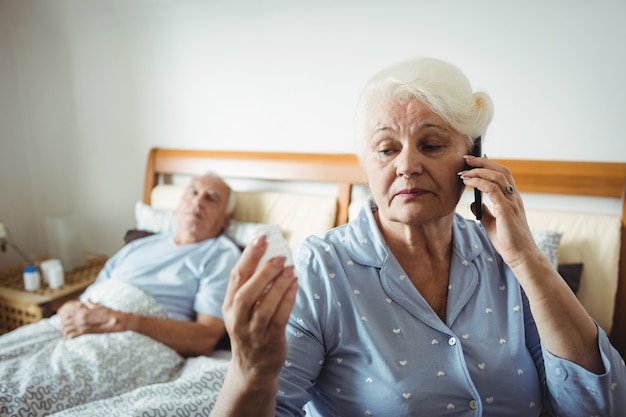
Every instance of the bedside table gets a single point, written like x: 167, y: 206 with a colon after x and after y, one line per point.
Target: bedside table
x: 19, y: 307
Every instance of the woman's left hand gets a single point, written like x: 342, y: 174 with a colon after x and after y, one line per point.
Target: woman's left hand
x: 506, y: 225
x: 565, y: 327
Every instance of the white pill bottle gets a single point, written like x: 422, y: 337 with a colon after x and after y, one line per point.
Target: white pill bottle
x: 32, y: 279
x: 276, y: 243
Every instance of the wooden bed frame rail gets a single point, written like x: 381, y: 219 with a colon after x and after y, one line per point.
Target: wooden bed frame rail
x: 597, y: 179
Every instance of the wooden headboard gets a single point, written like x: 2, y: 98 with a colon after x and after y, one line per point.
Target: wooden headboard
x: 342, y: 169
x: 597, y: 179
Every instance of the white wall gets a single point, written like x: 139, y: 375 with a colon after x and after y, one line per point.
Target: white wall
x: 87, y: 87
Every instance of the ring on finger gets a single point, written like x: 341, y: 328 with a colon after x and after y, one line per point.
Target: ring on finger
x: 509, y: 189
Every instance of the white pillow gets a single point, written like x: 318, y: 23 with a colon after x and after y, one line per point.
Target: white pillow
x: 241, y: 232
x: 158, y: 220
x: 154, y: 220
x: 548, y: 241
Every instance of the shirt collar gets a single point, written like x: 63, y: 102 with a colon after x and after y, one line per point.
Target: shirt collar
x: 363, y: 230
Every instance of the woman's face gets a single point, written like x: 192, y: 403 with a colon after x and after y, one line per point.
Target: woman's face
x: 412, y: 158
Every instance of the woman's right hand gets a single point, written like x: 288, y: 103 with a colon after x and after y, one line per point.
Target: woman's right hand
x: 256, y: 310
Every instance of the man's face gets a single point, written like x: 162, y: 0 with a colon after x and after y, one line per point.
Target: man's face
x: 201, y: 213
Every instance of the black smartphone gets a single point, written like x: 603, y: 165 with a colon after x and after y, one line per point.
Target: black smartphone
x: 478, y: 195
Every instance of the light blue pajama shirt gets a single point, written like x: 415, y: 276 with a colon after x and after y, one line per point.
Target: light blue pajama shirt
x: 184, y: 279
x: 364, y: 342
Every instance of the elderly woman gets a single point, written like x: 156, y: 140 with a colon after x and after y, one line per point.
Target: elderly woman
x: 411, y: 309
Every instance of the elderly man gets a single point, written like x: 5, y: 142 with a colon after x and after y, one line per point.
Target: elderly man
x: 186, y: 273
x: 155, y: 302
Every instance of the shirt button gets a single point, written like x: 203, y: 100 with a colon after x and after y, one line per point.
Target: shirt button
x: 473, y: 405
x: 452, y: 341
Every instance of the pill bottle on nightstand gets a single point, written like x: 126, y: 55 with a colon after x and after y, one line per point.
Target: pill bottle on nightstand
x: 56, y: 277
x: 32, y: 279
x: 52, y: 273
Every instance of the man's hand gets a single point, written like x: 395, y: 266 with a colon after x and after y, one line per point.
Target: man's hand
x: 187, y: 338
x: 82, y: 318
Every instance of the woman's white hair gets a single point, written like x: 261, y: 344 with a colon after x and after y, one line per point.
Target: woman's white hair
x: 439, y: 85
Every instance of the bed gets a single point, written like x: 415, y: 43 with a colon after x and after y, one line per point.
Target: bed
x: 308, y: 194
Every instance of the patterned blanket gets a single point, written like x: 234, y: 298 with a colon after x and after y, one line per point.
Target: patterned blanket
x: 125, y: 373
x: 192, y: 393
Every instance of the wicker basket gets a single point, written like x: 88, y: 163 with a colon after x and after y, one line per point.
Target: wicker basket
x: 19, y: 307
